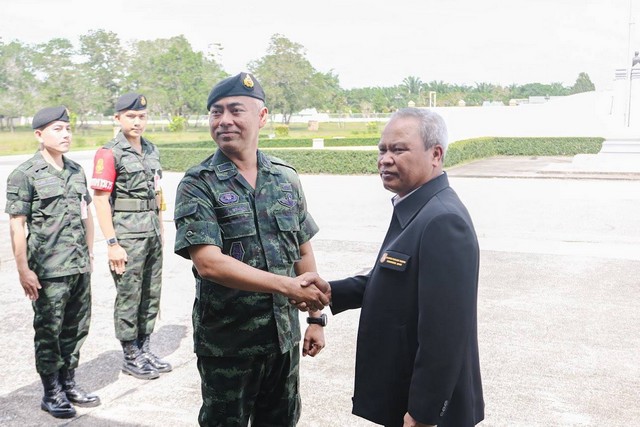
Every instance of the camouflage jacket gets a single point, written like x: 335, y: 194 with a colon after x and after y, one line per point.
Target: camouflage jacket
x: 54, y: 203
x: 263, y: 228
x: 136, y: 177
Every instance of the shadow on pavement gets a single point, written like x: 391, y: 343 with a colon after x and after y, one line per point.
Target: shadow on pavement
x: 99, y: 375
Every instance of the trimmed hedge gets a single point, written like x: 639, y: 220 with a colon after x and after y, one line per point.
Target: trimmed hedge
x: 479, y: 148
x: 283, y: 143
x: 333, y: 162
x: 359, y: 162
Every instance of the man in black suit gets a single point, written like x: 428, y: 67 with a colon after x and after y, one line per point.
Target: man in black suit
x: 417, y: 352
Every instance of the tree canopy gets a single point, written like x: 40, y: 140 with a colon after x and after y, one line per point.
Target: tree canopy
x: 177, y: 79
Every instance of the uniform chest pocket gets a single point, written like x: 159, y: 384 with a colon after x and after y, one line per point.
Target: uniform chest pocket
x: 237, y: 226
x: 133, y: 166
x: 50, y: 191
x: 154, y: 164
x: 80, y: 189
x: 287, y: 221
x: 288, y: 236
x: 48, y: 188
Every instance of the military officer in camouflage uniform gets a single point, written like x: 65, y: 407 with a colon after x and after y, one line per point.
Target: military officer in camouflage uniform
x: 49, y: 194
x: 241, y: 218
x: 126, y: 183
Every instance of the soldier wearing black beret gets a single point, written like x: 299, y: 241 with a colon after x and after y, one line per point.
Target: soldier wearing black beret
x: 49, y: 115
x: 243, y: 84
x: 48, y: 193
x: 127, y: 193
x: 131, y: 101
x: 241, y: 217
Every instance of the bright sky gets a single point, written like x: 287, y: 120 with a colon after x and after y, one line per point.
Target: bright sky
x: 369, y: 42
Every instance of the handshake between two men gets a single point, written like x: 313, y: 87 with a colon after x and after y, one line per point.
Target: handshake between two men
x: 309, y: 292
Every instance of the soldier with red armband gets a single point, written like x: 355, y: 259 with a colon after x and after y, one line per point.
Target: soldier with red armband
x: 127, y: 197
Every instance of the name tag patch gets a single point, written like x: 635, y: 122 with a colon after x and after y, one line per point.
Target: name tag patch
x: 394, y: 260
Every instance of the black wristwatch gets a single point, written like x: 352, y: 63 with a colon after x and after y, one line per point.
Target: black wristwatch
x: 112, y: 241
x: 322, y: 320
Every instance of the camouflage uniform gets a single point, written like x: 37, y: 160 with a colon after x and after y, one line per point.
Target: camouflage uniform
x: 237, y: 332
x: 137, y: 226
x: 54, y: 203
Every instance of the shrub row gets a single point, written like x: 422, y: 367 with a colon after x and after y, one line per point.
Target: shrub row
x: 479, y: 148
x: 333, y: 162
x: 347, y: 162
x: 284, y: 143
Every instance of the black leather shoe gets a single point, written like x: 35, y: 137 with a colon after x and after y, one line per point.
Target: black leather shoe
x: 55, y: 400
x: 162, y: 366
x: 135, y: 364
x: 75, y: 394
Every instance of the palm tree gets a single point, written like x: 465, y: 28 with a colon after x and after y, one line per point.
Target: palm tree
x: 413, y: 85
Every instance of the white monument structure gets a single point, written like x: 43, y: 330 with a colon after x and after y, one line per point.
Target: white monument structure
x: 621, y: 149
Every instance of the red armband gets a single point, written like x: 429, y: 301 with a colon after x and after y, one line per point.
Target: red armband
x: 104, y: 170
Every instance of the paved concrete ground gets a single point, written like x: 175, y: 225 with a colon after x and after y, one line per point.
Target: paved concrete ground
x: 558, y: 316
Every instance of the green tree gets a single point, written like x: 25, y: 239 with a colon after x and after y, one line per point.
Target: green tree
x: 17, y: 82
x: 583, y: 84
x: 104, y: 66
x: 325, y: 92
x: 56, y: 71
x: 412, y: 86
x: 289, y: 80
x: 175, y: 78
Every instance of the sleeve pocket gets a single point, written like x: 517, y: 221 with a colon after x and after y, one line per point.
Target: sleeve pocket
x: 287, y: 222
x: 185, y: 209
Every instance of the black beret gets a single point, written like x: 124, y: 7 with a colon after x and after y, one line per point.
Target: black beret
x: 243, y: 84
x: 131, y: 101
x: 48, y: 115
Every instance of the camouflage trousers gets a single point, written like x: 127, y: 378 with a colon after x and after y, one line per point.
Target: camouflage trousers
x: 263, y: 389
x: 138, y: 289
x: 61, y: 319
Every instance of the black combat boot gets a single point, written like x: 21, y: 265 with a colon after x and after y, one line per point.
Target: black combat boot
x: 135, y: 364
x: 144, y: 341
x: 54, y: 400
x: 75, y: 394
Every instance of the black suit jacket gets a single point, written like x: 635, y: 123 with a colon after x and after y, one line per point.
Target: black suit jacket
x: 417, y: 347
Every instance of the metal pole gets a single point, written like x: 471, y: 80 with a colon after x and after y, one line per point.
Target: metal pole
x: 628, y: 112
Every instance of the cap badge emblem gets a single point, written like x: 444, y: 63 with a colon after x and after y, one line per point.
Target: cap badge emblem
x: 248, y: 82
x: 143, y: 100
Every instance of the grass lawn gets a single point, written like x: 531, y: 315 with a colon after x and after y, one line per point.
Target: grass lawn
x: 22, y: 141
